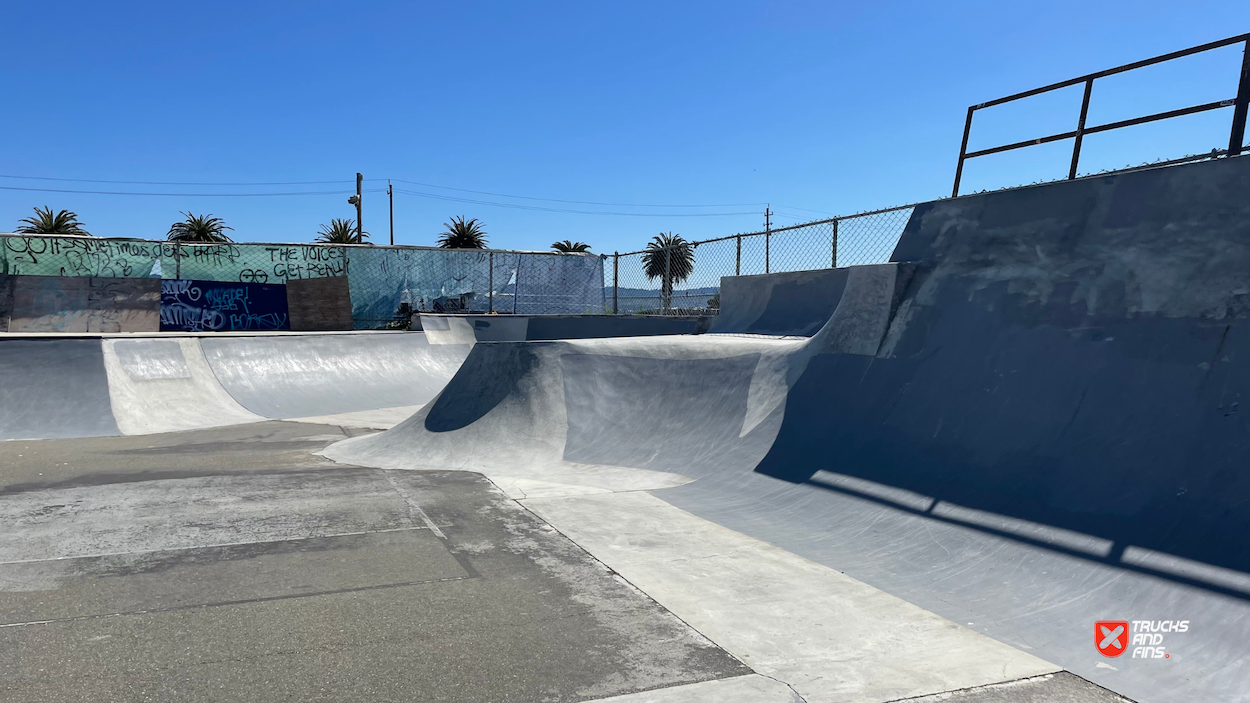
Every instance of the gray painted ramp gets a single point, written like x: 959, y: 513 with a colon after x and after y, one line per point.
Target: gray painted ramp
x: 53, y: 388
x: 301, y: 376
x: 1034, y: 425
x: 795, y: 303
x: 1051, y: 432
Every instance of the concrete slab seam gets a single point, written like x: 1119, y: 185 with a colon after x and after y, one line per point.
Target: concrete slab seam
x: 414, y: 506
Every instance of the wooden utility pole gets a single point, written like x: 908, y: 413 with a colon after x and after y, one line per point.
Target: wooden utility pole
x: 360, y: 219
x: 391, y: 197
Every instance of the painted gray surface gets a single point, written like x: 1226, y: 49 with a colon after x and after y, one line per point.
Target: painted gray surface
x: 1052, y: 688
x: 53, y: 388
x: 300, y: 376
x: 1052, y: 431
x: 793, y: 303
x: 1049, y: 433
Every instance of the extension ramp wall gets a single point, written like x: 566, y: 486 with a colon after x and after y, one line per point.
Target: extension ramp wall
x: 795, y: 303
x: 469, y: 329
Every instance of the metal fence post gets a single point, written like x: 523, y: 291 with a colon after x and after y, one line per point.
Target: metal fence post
x: 963, y: 149
x: 177, y: 260
x: 491, y: 284
x: 666, y: 301
x: 738, y: 261
x: 1080, y: 129
x: 616, y: 282
x: 1237, y: 138
x: 516, y: 289
x: 834, y: 261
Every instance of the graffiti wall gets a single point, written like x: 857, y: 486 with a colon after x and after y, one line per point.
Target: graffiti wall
x: 379, y: 278
x: 216, y: 306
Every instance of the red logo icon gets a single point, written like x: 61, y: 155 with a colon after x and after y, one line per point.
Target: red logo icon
x: 1111, y: 637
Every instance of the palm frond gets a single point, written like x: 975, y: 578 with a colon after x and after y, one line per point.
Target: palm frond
x: 46, y: 222
x: 341, y: 232
x: 570, y: 247
x: 199, y: 229
x: 463, y: 234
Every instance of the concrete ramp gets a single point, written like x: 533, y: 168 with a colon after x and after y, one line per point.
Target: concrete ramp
x: 286, y: 377
x: 1030, y: 422
x: 165, y: 385
x: 618, y: 414
x: 54, y: 387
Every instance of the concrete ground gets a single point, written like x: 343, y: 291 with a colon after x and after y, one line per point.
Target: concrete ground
x: 233, y: 564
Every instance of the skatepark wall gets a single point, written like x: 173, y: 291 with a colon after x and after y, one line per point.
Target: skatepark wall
x: 379, y: 278
x: 469, y: 329
x: 58, y: 304
x: 1066, y: 354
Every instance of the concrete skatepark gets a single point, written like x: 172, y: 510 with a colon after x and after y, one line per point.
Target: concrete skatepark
x: 928, y: 486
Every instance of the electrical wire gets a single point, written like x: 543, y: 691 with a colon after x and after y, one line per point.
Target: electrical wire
x: 571, y: 202
x: 192, y: 195
x: 379, y: 190
x: 184, y: 183
x: 518, y: 207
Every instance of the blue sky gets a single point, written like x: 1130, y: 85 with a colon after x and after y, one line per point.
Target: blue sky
x: 813, y: 107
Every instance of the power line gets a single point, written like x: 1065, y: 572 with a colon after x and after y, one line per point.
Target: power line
x: 518, y: 207
x: 397, y: 180
x: 182, y: 183
x: 189, y: 195
x: 573, y: 202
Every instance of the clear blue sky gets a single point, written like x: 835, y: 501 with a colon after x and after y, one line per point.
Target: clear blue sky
x: 833, y: 107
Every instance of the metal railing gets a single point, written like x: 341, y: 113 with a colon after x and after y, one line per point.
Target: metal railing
x: 1239, y: 103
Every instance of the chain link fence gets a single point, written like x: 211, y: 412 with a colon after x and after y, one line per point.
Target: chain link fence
x: 389, y: 283
x: 684, y: 279
x: 386, y: 284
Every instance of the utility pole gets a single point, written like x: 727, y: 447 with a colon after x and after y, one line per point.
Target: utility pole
x: 768, y: 227
x: 355, y: 200
x: 391, y: 197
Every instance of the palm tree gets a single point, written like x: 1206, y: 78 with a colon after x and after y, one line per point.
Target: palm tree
x: 669, y: 258
x: 199, y: 229
x: 568, y: 247
x: 341, y: 232
x: 463, y: 234
x: 44, y: 222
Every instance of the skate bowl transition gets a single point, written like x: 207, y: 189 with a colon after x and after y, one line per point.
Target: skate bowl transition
x: 108, y: 385
x: 1029, y: 421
